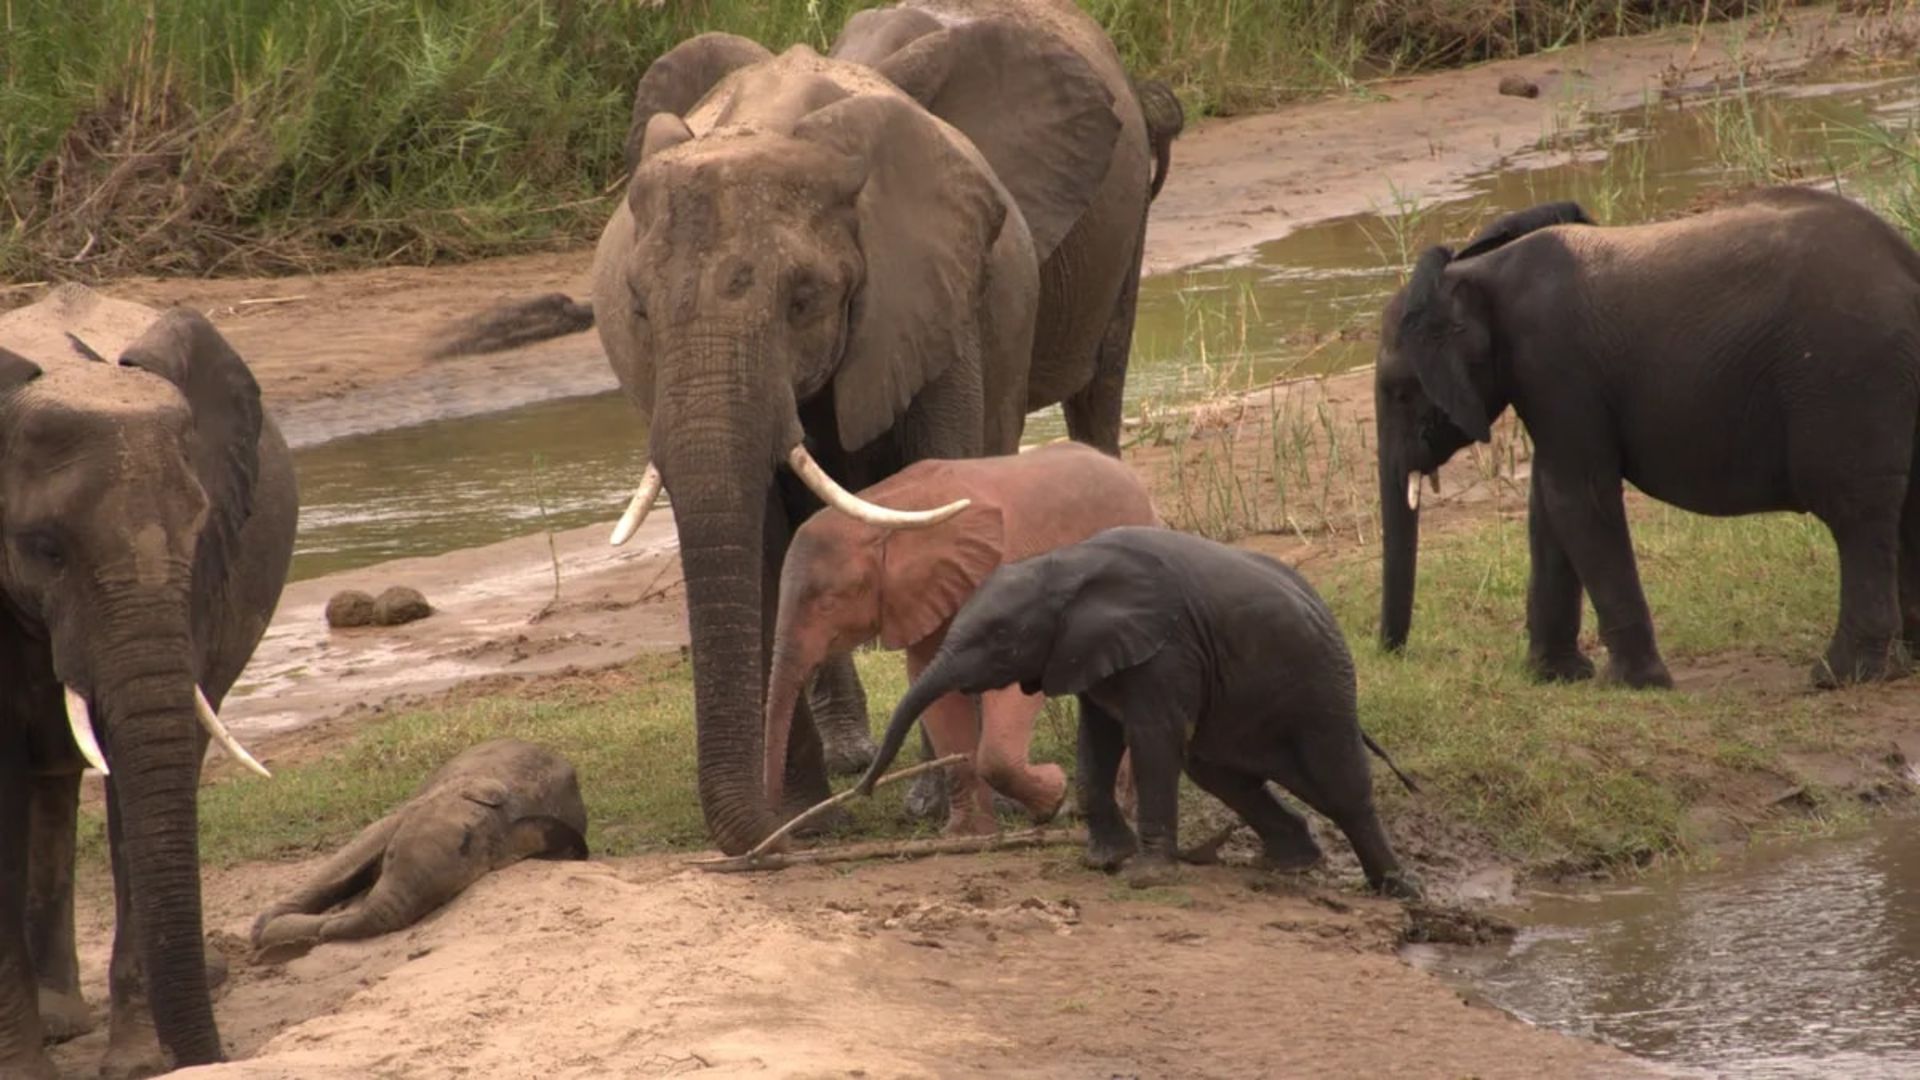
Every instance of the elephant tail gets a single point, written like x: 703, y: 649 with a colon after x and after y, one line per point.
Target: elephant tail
x: 514, y: 324
x: 1382, y: 755
x: 1165, y: 120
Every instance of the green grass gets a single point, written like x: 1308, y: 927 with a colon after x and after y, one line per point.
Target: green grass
x: 1556, y: 777
x: 230, y: 136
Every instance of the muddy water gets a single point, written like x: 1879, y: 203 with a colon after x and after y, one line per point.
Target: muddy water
x: 1304, y: 304
x: 1803, y: 960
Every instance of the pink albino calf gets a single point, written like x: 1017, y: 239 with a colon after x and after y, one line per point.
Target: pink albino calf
x: 846, y: 583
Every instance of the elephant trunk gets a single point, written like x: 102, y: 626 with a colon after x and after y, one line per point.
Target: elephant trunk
x: 1400, y: 545
x: 936, y: 682
x: 147, y: 690
x: 794, y: 662
x: 718, y: 432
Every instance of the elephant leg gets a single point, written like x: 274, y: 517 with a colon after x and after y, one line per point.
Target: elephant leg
x: 927, y: 796
x: 1590, y: 520
x: 1864, y: 514
x: 1553, y: 601
x: 1102, y: 744
x: 840, y: 709
x: 53, y: 819
x: 351, y: 871
x: 1006, y: 739
x: 953, y: 726
x: 1327, y: 769
x: 1094, y: 414
x: 1285, y: 842
x: 21, y: 1036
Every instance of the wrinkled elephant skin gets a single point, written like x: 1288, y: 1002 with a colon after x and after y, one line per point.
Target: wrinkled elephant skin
x: 846, y: 583
x: 1185, y: 654
x: 494, y: 805
x: 148, y: 507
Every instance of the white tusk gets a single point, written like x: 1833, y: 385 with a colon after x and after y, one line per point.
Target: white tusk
x: 80, y: 723
x: 860, y: 509
x: 637, y: 510
x: 221, y: 735
x: 1413, y: 491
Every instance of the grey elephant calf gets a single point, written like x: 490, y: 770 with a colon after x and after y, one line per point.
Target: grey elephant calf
x: 493, y: 805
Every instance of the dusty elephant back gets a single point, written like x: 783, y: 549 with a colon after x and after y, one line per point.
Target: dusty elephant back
x: 104, y: 324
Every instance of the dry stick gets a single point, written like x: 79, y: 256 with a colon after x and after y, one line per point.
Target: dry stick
x: 898, y: 849
x: 752, y: 857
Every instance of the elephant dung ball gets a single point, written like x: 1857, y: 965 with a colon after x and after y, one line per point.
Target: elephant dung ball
x: 399, y: 605
x: 1519, y: 86
x: 350, y: 607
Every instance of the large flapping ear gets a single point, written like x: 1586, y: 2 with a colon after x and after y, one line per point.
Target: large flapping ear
x: 1111, y: 619
x: 183, y: 348
x: 1433, y: 335
x: 1510, y: 227
x: 928, y: 217
x: 928, y: 574
x: 539, y: 836
x: 1033, y: 106
x: 682, y: 75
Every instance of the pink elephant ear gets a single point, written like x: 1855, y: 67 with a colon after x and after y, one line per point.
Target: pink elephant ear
x: 927, y: 574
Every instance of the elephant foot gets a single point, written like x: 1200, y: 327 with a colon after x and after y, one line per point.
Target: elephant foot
x: 1151, y: 870
x: 1107, y: 850
x: 1053, y: 782
x: 1560, y: 667
x: 927, y: 796
x: 1398, y: 885
x: 33, y: 1065
x: 1638, y: 674
x: 1207, y: 852
x: 63, y: 1016
x: 1289, y: 858
x: 286, y: 937
x: 1849, y: 666
x: 133, y: 1048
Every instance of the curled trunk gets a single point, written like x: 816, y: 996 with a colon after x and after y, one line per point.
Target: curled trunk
x: 933, y: 684
x: 1400, y: 549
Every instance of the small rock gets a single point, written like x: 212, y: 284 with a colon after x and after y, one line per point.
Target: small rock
x: 399, y: 605
x: 350, y: 608
x: 1519, y: 86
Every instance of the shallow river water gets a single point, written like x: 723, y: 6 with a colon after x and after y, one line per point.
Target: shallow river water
x: 1800, y: 959
x: 1306, y: 303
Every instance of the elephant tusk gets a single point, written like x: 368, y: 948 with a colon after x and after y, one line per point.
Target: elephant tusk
x: 637, y: 510
x: 1413, y: 491
x: 1433, y: 481
x: 80, y: 723
x: 211, y: 721
x: 860, y: 509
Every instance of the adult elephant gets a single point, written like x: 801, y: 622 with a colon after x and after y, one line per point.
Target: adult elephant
x: 147, y: 512
x: 1764, y: 356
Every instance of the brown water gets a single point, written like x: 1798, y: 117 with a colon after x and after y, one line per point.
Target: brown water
x: 1801, y: 960
x: 1306, y: 303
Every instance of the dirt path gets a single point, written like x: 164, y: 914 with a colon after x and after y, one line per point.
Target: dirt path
x: 990, y: 966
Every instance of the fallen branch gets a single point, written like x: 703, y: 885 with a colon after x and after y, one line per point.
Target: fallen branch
x: 897, y: 849
x: 756, y: 858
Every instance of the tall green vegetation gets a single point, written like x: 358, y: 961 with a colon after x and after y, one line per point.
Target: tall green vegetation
x: 233, y: 136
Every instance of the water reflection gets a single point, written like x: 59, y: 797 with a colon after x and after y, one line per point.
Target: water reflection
x: 1803, y: 961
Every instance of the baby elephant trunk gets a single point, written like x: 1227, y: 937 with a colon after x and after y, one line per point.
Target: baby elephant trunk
x: 934, y: 683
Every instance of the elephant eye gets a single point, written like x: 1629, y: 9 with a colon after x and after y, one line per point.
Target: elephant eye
x: 803, y: 296
x: 42, y: 547
x: 639, y: 304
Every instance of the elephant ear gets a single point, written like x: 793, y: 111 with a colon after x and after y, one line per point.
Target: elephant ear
x: 1034, y: 107
x: 1438, y: 334
x: 539, y: 836
x: 183, y: 348
x: 928, y: 574
x: 872, y: 35
x: 1112, y: 620
x: 16, y: 371
x: 928, y: 218
x: 682, y: 75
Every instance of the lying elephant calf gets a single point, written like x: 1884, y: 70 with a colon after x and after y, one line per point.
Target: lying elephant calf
x: 491, y: 806
x: 1184, y: 653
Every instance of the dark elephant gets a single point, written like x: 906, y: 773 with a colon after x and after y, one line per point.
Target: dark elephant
x: 147, y: 508
x: 491, y: 806
x: 1183, y: 652
x: 1763, y: 356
